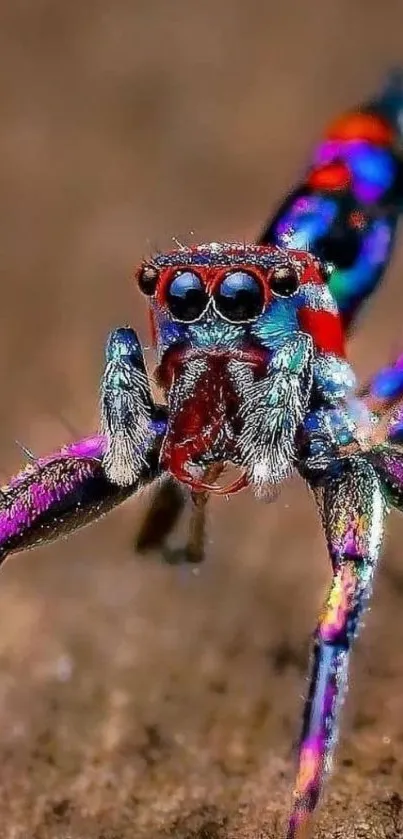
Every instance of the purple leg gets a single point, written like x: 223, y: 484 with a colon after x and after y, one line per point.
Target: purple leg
x: 58, y: 494
x: 55, y: 495
x: 353, y: 512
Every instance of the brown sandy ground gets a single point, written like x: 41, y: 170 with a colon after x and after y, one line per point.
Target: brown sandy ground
x: 136, y: 699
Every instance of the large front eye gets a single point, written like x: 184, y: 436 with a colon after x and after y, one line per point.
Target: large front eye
x: 186, y: 297
x: 239, y: 297
x: 284, y: 282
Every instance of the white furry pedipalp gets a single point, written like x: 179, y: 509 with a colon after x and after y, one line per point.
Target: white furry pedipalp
x: 271, y: 410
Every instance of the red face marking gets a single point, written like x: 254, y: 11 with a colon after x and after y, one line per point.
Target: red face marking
x: 326, y: 330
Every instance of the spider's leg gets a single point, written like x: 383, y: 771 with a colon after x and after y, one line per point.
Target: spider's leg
x: 353, y: 512
x: 193, y: 551
x: 165, y: 508
x: 383, y: 390
x: 197, y: 528
x: 58, y: 494
x: 169, y: 502
x: 377, y: 406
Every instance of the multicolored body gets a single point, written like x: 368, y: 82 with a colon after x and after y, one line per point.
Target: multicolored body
x: 346, y: 207
x: 252, y: 364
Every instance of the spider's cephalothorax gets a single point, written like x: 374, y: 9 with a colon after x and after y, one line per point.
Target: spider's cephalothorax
x: 249, y: 340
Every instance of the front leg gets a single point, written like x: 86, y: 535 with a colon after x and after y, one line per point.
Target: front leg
x: 58, y: 494
x: 353, y: 513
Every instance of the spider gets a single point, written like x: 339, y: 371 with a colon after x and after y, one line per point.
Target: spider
x: 250, y: 341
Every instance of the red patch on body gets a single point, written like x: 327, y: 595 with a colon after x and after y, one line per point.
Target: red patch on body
x: 325, y: 328
x: 332, y: 177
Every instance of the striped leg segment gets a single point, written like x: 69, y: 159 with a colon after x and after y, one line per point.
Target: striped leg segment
x: 353, y: 512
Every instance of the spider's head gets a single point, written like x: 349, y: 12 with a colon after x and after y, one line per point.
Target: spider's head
x: 237, y: 328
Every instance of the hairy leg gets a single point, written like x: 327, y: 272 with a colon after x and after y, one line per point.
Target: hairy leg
x: 58, y: 494
x: 353, y: 512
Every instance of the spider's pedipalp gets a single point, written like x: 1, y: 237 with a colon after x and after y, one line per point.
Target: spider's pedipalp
x: 127, y: 408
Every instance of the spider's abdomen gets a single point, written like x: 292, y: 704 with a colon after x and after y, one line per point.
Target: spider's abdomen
x: 346, y: 207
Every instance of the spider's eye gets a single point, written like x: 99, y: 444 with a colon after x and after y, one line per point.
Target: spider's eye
x: 239, y: 297
x: 147, y: 279
x: 186, y: 297
x: 284, y: 282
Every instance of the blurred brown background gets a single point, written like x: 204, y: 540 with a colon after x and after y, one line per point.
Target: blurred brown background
x: 137, y: 699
